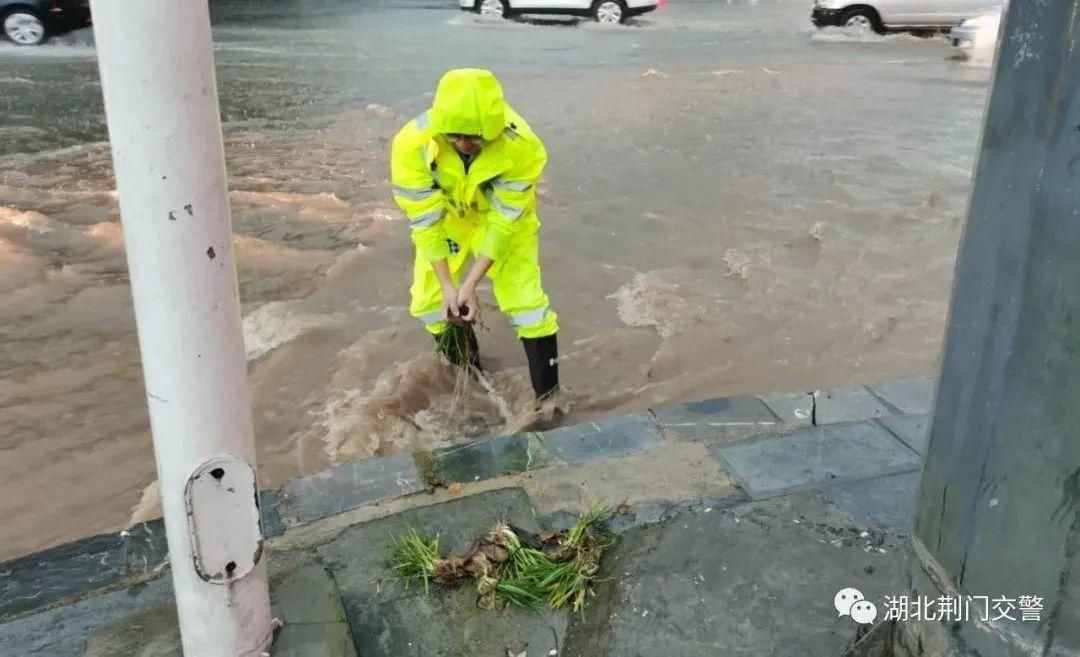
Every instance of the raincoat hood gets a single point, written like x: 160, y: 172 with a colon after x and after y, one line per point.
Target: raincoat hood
x: 469, y: 101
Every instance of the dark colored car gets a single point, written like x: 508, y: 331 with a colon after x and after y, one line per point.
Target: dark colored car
x: 30, y: 22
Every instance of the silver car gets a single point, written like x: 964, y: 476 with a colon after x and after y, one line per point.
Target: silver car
x: 892, y: 15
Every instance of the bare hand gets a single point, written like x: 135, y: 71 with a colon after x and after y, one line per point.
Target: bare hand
x: 450, y: 304
x: 466, y: 300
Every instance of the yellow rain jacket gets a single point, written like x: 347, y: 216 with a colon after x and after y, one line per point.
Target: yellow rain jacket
x: 487, y: 208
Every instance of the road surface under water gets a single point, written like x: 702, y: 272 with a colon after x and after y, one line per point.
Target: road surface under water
x: 734, y: 203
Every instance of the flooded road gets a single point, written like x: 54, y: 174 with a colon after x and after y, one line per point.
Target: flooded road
x: 734, y: 203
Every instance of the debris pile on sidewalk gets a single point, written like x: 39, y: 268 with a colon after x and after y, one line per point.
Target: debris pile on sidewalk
x: 514, y: 566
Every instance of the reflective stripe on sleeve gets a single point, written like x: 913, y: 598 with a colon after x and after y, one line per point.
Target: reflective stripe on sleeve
x: 426, y: 219
x: 415, y: 193
x: 509, y: 211
x: 513, y: 185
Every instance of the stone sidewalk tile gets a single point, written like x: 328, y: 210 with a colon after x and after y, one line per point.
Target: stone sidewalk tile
x: 308, y: 601
x: 717, y: 420
x: 816, y: 457
x: 604, y: 439
x: 913, y: 396
x: 305, y: 599
x: 913, y: 430
x: 885, y: 502
x: 65, y: 631
x: 681, y: 470
x: 833, y: 406
x: 794, y: 409
x: 99, y: 562
x: 325, y: 640
x: 491, y: 458
x: 151, y: 633
x: 389, y: 620
x: 68, y: 571
x: 306, y: 595
x: 269, y: 502
x: 756, y: 580
x: 877, y: 643
x: 449, y: 623
x: 348, y: 486
x: 359, y: 556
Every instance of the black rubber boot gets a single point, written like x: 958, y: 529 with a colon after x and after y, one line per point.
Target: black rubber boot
x: 459, y: 345
x: 543, y: 354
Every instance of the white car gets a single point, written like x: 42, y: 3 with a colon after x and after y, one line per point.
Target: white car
x: 890, y: 15
x: 977, y: 33
x: 604, y: 11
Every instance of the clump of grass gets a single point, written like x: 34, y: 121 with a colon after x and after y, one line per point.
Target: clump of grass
x: 416, y: 558
x: 572, y: 588
x: 586, y: 541
x: 557, y: 570
x: 458, y: 345
x: 527, y: 571
x: 587, y: 525
x: 520, y: 594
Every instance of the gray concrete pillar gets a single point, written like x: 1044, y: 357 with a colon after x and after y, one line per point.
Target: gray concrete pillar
x: 999, y: 507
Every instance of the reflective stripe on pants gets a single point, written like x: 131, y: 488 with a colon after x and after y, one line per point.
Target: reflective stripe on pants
x: 432, y: 317
x: 529, y: 317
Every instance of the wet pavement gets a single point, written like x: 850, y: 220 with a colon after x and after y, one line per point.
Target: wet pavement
x: 735, y: 203
x: 714, y: 553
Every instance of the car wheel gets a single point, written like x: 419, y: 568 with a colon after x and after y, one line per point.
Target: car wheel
x: 493, y: 8
x: 609, y: 11
x: 862, y: 20
x: 24, y: 27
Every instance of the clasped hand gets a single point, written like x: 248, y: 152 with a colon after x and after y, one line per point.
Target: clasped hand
x: 461, y: 304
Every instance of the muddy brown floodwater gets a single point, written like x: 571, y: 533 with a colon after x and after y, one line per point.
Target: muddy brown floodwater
x: 734, y: 203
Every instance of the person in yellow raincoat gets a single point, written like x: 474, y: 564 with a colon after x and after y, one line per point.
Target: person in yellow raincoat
x: 464, y: 173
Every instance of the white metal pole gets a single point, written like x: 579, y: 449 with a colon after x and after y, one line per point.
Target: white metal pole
x: 157, y: 77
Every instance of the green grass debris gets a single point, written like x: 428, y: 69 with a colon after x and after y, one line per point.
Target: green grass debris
x: 416, y: 558
x: 510, y: 566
